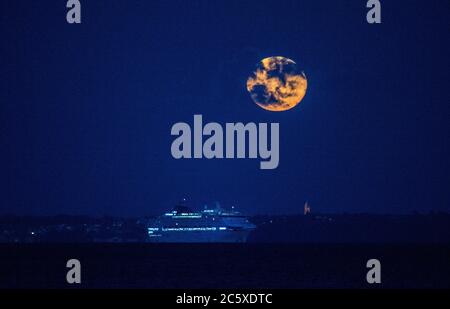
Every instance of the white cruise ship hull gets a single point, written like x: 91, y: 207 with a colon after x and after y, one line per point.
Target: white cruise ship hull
x: 227, y: 236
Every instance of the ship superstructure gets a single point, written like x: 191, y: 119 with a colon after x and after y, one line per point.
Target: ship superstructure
x: 209, y: 225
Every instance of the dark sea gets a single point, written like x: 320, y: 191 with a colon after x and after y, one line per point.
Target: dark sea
x: 224, y: 266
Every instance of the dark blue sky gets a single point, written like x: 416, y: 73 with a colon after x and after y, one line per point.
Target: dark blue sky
x: 86, y: 110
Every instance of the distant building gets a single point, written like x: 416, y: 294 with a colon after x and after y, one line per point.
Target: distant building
x: 306, y: 209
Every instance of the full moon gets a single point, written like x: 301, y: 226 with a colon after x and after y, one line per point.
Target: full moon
x: 276, y: 85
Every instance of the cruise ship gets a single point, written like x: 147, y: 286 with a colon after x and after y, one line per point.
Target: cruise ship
x: 216, y: 225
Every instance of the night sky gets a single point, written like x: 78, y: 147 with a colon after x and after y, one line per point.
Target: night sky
x: 86, y: 110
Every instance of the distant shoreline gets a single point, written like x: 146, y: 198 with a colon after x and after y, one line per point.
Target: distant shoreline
x: 311, y: 228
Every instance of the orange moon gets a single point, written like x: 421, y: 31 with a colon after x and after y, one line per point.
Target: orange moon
x: 276, y: 85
